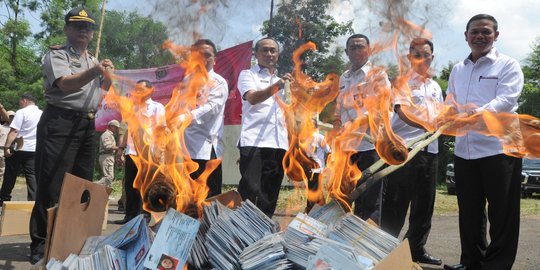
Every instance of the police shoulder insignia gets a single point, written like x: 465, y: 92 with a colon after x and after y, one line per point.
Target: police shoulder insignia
x: 57, y: 47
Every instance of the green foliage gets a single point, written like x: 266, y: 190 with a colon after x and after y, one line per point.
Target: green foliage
x: 530, y: 96
x: 298, y: 22
x: 133, y: 41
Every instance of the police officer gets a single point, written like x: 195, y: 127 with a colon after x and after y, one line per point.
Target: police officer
x: 107, y: 148
x: 73, y: 79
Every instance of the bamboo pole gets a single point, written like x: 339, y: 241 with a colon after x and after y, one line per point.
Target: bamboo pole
x: 100, y: 28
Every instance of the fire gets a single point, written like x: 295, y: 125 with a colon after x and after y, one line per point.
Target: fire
x: 163, y: 163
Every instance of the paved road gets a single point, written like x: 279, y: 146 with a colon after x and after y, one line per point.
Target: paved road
x: 443, y: 241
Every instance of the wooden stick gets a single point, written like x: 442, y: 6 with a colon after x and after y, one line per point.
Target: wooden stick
x: 100, y: 27
x: 373, y: 178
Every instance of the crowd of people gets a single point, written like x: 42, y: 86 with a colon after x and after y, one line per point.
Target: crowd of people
x: 60, y: 138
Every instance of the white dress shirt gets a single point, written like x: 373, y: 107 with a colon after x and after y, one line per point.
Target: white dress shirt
x: 206, y: 128
x: 317, y: 150
x: 263, y: 124
x: 25, y: 122
x: 153, y: 116
x: 493, y: 83
x: 354, y: 87
x: 426, y: 96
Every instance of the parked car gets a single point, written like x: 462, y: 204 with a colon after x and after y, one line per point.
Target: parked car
x: 449, y: 179
x: 530, y: 178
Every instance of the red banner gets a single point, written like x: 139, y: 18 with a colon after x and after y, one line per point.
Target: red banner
x: 229, y: 63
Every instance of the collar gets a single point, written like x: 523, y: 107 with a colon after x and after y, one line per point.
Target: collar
x: 260, y: 69
x: 364, y: 69
x: 491, y: 56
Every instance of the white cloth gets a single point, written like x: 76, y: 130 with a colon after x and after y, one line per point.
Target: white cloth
x: 493, y: 83
x: 153, y: 116
x: 263, y: 124
x: 206, y: 128
x: 425, y: 95
x: 353, y: 88
x: 25, y: 122
x: 317, y: 150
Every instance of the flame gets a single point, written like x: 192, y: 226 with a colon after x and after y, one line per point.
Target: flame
x: 163, y: 163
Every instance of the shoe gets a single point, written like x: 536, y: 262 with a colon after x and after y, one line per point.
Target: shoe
x: 122, y: 221
x: 427, y: 259
x: 455, y: 267
x: 35, y: 258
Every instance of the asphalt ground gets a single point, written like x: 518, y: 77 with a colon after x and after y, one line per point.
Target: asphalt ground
x: 443, y: 241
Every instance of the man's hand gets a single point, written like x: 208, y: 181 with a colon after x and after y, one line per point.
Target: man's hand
x: 7, y: 152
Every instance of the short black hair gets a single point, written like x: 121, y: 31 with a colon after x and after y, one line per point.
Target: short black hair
x: 421, y: 41
x: 478, y: 17
x: 28, y: 96
x: 205, y: 42
x: 357, y: 36
x: 146, y: 82
x: 257, y: 44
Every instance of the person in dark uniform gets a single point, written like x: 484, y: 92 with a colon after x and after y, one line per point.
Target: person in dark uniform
x: 73, y: 79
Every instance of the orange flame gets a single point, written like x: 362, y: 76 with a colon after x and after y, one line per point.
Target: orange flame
x: 161, y: 152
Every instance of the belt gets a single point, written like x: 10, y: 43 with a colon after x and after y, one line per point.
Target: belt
x: 90, y: 114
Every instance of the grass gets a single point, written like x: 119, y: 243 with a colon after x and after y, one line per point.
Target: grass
x: 293, y: 200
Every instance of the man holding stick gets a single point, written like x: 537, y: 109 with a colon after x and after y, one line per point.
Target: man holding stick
x: 415, y: 182
x: 73, y: 80
x: 263, y: 137
x: 493, y: 82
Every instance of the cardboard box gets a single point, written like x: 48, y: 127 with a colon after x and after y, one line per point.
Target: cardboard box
x: 15, y: 217
x: 399, y: 259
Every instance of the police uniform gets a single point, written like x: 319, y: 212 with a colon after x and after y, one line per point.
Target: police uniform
x: 415, y: 182
x: 263, y: 141
x: 107, y: 144
x: 204, y: 135
x: 349, y: 105
x: 66, y: 131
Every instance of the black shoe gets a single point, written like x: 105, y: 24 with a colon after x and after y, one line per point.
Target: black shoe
x: 455, y: 267
x: 34, y: 258
x: 427, y: 259
x: 123, y: 221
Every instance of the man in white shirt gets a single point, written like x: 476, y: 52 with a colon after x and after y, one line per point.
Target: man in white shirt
x: 318, y: 149
x: 24, y: 125
x: 204, y: 135
x: 263, y: 137
x: 493, y: 82
x: 415, y: 182
x: 349, y: 107
x: 150, y: 114
x: 4, y: 131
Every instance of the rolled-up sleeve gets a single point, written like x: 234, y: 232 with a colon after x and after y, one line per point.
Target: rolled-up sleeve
x: 246, y: 82
x: 55, y: 65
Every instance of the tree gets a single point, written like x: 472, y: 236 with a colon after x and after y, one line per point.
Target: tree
x: 530, y: 96
x: 133, y: 41
x: 298, y: 22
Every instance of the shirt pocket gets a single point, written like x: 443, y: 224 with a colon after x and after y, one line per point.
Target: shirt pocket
x: 487, y: 87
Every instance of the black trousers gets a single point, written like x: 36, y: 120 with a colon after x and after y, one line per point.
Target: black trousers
x: 133, y: 205
x: 215, y: 178
x: 368, y: 205
x: 13, y: 164
x: 413, y: 184
x: 495, y: 179
x: 65, y: 143
x: 262, y: 173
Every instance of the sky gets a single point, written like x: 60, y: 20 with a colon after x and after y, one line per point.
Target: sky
x: 240, y: 21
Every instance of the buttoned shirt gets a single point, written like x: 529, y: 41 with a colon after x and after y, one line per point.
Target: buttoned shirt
x: 353, y: 87
x: 107, y: 142
x: 493, y: 83
x: 263, y: 124
x: 206, y: 128
x: 426, y: 95
x: 317, y: 150
x: 150, y: 117
x: 63, y: 61
x: 25, y: 122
